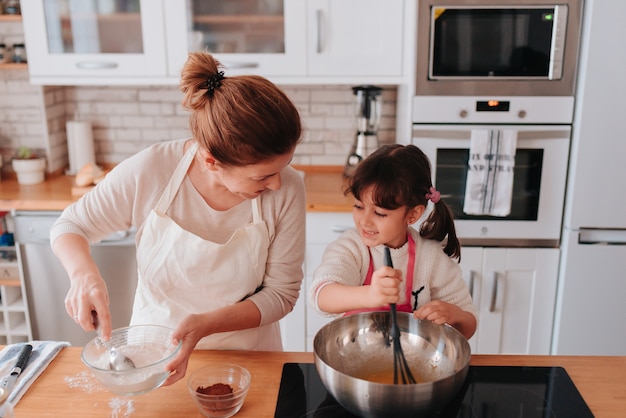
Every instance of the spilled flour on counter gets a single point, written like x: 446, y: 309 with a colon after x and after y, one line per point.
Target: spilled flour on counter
x: 121, y: 407
x: 85, y: 381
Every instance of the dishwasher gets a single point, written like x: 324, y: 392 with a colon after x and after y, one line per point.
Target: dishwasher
x: 47, y: 283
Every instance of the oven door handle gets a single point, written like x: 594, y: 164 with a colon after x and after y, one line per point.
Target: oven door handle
x: 340, y: 229
x: 494, y: 292
x: 602, y: 237
x: 470, y: 284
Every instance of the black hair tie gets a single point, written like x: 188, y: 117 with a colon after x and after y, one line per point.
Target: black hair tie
x: 213, y: 82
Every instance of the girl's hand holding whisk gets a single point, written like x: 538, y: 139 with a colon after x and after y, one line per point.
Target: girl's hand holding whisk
x: 385, y: 287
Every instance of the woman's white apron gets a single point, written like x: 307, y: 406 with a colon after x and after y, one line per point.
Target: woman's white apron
x: 181, y: 273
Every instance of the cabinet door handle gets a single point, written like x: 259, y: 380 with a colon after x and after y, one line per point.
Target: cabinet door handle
x: 494, y: 292
x: 471, y: 283
x: 319, y: 19
x: 95, y: 65
x: 339, y: 228
x: 241, y: 65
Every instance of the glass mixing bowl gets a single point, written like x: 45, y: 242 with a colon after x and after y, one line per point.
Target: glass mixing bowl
x: 150, y: 347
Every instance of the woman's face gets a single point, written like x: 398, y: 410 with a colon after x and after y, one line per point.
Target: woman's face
x: 250, y: 181
x: 378, y: 226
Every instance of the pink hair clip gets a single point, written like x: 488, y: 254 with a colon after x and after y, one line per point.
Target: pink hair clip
x: 433, y: 195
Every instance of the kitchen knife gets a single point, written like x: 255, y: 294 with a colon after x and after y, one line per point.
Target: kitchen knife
x: 8, y: 382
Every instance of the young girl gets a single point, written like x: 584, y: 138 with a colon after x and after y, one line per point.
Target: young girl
x: 391, y: 190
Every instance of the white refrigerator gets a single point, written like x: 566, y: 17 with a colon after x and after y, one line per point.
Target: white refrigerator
x: 591, y: 294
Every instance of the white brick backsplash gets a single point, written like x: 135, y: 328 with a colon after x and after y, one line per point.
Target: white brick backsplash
x: 301, y: 160
x: 35, y: 129
x: 179, y: 122
x: 305, y: 148
x: 101, y: 94
x: 127, y: 119
x: 327, y: 160
x: 180, y: 133
x: 17, y: 100
x: 158, y: 109
x: 23, y: 87
x: 123, y: 136
x: 340, y: 122
x: 113, y: 108
x: 114, y: 122
x: 138, y: 121
x: 55, y: 111
x: 158, y: 135
x: 298, y: 94
x: 160, y: 94
x: 127, y: 148
x: 313, y: 123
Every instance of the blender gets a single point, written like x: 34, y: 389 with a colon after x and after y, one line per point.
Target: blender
x: 368, y: 108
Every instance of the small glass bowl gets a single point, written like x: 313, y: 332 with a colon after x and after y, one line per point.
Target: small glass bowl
x: 150, y: 347
x: 209, y: 387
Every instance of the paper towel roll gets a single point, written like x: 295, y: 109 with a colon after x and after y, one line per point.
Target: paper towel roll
x: 80, y: 145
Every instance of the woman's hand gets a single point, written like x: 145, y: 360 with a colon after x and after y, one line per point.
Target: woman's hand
x: 86, y: 295
x: 189, y: 331
x: 441, y: 312
x: 88, y: 290
x: 194, y: 327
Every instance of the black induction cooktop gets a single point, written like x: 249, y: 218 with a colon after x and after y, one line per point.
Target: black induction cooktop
x: 488, y: 392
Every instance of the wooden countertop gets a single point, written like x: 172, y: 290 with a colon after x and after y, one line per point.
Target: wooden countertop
x: 53, y: 194
x: 324, y: 189
x: 66, y: 388
x: 323, y: 183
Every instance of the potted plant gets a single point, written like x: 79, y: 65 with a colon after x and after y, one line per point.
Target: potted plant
x: 29, y: 166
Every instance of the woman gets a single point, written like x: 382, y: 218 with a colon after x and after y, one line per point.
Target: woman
x: 219, y: 217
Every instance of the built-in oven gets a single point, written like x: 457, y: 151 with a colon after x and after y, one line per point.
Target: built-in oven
x: 493, y: 108
x: 536, y: 190
x: 503, y: 47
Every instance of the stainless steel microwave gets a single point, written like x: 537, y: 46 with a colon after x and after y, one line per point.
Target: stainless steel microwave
x: 503, y: 47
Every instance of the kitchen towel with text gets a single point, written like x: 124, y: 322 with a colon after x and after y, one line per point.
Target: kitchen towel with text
x: 43, y: 353
x: 489, y: 184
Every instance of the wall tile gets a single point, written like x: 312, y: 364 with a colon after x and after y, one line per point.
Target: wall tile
x: 127, y: 119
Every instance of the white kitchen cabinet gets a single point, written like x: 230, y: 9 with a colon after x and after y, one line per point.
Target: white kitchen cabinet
x: 322, y: 228
x: 329, y: 38
x: 265, y: 37
x: 472, y: 266
x: 299, y: 327
x: 14, y: 316
x: 139, y: 42
x: 292, y: 326
x: 514, y: 291
x: 76, y: 42
x: 355, y: 37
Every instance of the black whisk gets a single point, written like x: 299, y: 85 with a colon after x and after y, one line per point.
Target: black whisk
x: 400, y: 364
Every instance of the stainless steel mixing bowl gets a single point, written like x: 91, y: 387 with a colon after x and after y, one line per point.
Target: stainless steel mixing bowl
x: 354, y: 356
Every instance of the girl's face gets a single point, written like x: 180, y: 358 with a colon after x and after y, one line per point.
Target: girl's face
x: 378, y: 226
x: 250, y: 181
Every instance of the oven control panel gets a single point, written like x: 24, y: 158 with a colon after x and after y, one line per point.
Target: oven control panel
x: 501, y: 110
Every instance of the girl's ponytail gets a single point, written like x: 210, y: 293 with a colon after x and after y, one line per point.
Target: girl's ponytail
x: 440, y: 225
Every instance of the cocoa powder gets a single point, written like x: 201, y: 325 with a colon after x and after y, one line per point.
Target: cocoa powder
x: 216, y: 389
x: 221, y: 401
